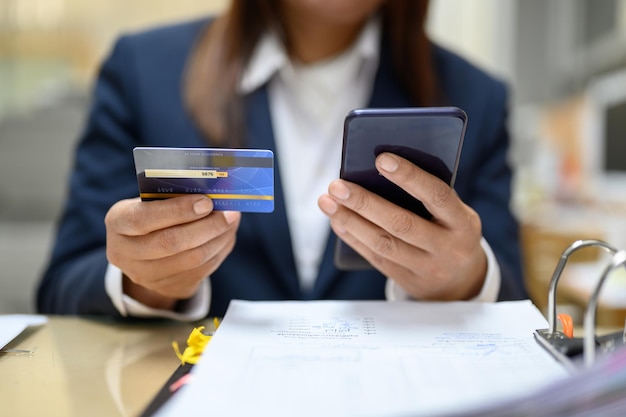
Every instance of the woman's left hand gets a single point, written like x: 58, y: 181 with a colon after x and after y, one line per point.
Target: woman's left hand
x: 438, y: 259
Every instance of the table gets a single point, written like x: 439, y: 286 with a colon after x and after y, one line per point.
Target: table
x: 83, y: 366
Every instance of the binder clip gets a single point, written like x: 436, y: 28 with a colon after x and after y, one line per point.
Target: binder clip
x: 561, y: 344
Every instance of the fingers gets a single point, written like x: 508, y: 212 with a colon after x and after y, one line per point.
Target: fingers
x: 435, y: 259
x: 169, y: 246
x: 377, y: 218
x: 437, y: 196
x: 449, y: 212
x: 154, y: 230
x: 179, y: 275
x: 197, y: 256
x: 163, y: 243
x: 135, y: 217
x: 383, y: 250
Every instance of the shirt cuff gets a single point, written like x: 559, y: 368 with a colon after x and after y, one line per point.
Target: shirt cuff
x: 488, y: 293
x: 195, y: 308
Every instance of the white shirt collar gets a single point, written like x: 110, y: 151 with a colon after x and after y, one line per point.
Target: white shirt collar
x: 270, y: 56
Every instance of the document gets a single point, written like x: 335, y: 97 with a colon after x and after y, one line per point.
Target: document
x: 367, y: 358
x: 11, y: 325
x: 590, y: 392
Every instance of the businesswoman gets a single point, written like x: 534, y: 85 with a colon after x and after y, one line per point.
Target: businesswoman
x: 282, y: 75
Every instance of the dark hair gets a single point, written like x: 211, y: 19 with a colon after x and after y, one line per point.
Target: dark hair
x: 227, y: 44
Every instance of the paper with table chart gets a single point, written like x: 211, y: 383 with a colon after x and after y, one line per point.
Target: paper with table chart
x: 366, y: 358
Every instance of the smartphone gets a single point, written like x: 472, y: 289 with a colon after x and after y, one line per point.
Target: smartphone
x: 430, y: 137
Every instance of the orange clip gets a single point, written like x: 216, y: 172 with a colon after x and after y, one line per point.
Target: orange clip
x: 568, y: 324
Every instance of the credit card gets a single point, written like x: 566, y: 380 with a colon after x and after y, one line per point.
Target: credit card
x: 235, y: 179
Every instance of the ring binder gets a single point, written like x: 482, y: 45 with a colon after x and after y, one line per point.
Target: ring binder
x: 568, y: 349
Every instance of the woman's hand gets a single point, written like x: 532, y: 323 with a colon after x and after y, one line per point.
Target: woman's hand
x: 165, y: 248
x: 438, y: 259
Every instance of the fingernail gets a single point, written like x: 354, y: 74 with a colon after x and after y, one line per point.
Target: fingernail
x: 338, y: 189
x: 387, y: 163
x: 203, y: 206
x: 230, y: 216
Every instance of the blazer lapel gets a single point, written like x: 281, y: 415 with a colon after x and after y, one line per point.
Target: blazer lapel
x: 272, y: 228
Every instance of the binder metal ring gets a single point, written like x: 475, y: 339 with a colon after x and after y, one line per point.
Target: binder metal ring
x: 579, y: 244
x: 589, y: 343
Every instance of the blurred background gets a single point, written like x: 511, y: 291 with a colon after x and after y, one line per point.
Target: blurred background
x: 565, y: 61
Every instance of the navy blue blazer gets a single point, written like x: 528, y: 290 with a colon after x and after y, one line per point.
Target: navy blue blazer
x: 138, y: 102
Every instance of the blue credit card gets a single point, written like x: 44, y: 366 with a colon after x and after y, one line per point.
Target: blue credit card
x: 235, y: 179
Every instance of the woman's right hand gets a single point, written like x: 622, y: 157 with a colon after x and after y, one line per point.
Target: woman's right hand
x: 165, y: 248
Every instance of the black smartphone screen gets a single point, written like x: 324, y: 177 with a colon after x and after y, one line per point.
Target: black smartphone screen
x: 430, y: 137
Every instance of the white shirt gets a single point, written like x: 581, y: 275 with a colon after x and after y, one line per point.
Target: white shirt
x: 308, y: 105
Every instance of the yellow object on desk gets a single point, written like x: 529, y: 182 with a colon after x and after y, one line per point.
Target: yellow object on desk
x: 196, y: 343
